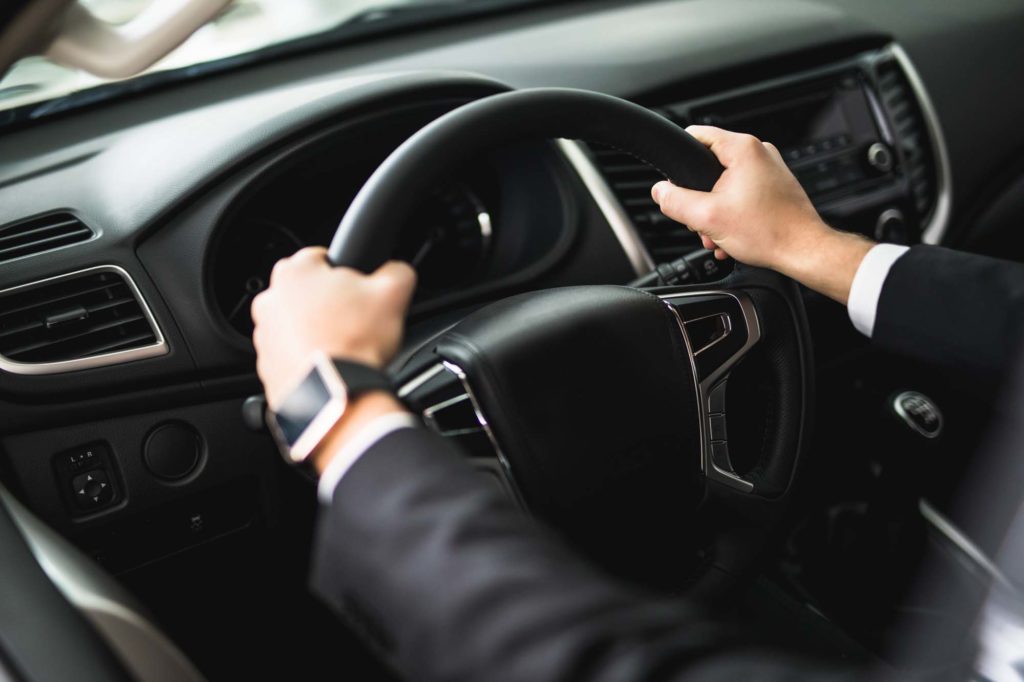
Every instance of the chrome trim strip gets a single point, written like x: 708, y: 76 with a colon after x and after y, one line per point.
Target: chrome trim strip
x: 705, y: 387
x: 419, y: 380
x: 431, y: 420
x: 955, y: 536
x: 506, y: 468
x: 609, y: 206
x: 117, y: 357
x: 938, y: 223
x: 727, y: 325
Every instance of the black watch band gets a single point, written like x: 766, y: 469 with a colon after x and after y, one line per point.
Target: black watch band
x: 360, y: 378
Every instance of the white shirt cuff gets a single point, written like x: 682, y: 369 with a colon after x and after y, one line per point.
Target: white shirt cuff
x: 867, y: 285
x: 364, y: 439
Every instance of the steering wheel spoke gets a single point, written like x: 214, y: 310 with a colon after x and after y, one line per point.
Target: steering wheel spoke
x: 719, y: 328
x: 441, y: 396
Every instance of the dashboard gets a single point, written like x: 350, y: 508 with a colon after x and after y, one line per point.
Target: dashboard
x: 498, y: 220
x: 169, y: 209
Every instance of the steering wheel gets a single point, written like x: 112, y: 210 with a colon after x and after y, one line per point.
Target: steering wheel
x: 607, y: 411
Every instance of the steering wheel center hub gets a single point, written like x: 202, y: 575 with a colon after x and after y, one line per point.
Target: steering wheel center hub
x: 590, y: 391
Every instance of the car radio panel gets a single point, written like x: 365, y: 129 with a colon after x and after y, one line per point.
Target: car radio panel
x: 832, y: 130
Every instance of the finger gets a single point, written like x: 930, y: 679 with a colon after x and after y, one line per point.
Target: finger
x: 310, y: 254
x: 721, y: 254
x: 708, y: 243
x: 256, y: 307
x: 280, y: 268
x: 400, y: 279
x: 773, y: 150
x: 728, y: 146
x: 687, y: 206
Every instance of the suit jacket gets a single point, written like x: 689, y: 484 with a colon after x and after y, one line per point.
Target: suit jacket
x: 953, y: 309
x: 449, y: 581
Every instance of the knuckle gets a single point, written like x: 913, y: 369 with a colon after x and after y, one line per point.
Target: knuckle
x: 257, y: 306
x: 280, y: 269
x: 310, y: 253
x: 703, y: 214
x: 749, y: 142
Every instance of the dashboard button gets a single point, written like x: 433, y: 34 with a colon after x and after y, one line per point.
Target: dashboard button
x: 172, y: 451
x: 92, y: 489
x: 880, y: 157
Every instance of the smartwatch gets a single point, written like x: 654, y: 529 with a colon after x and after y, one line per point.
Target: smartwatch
x: 311, y: 410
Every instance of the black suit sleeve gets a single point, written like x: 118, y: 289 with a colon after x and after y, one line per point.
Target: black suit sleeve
x: 451, y: 582
x: 953, y: 309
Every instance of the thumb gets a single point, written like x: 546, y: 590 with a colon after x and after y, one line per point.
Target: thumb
x: 683, y: 205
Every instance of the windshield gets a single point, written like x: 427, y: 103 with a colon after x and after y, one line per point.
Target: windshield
x: 245, y: 27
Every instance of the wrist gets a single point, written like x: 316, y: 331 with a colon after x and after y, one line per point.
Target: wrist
x: 797, y: 254
x: 826, y: 260
x: 359, y: 412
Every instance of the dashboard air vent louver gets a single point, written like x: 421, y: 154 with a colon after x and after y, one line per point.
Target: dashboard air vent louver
x: 630, y: 180
x: 911, y: 133
x: 40, y: 234
x: 76, y: 317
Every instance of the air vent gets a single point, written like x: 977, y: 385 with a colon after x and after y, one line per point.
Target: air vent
x: 40, y: 234
x: 911, y: 133
x: 84, y: 319
x: 631, y: 180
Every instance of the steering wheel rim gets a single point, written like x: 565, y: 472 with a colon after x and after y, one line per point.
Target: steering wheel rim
x: 366, y: 237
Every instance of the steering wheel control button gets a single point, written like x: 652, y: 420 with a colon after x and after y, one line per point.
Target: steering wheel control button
x: 918, y: 412
x: 93, y: 489
x: 720, y: 455
x: 172, y: 451
x: 716, y: 399
x: 716, y: 423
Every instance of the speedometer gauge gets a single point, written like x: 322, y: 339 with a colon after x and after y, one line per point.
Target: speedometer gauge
x: 245, y: 271
x: 449, y: 240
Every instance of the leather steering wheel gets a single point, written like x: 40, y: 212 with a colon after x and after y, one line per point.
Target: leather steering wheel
x: 602, y: 409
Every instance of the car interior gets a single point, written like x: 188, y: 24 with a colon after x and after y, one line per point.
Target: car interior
x: 152, y: 530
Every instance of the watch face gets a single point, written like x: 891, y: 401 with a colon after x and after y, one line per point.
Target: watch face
x: 309, y: 412
x: 302, y: 407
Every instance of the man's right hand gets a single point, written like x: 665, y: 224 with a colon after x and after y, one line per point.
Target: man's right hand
x: 759, y: 214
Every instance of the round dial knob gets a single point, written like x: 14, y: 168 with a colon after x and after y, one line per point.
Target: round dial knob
x: 880, y: 157
x: 892, y: 227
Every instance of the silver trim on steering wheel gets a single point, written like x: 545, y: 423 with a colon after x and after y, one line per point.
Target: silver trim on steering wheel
x: 499, y: 465
x: 705, y: 388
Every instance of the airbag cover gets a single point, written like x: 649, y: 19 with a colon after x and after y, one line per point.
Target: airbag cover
x: 590, y: 394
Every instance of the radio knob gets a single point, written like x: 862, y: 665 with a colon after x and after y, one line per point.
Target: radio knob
x: 880, y: 157
x: 891, y: 227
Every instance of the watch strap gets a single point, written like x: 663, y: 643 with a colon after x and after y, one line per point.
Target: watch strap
x: 360, y: 378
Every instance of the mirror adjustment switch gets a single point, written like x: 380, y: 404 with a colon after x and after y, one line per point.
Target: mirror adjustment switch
x: 92, y: 490
x: 87, y: 478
